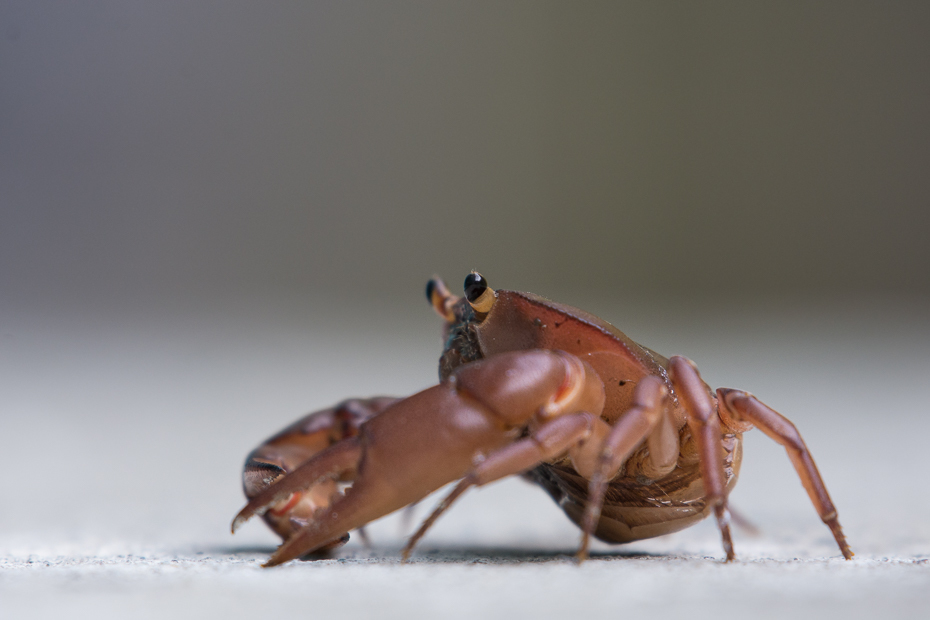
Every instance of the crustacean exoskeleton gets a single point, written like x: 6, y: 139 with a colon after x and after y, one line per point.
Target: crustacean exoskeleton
x: 630, y: 444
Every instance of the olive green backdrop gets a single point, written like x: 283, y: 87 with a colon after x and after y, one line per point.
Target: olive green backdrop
x: 175, y: 150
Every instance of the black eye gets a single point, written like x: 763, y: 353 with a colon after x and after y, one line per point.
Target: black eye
x: 475, y: 286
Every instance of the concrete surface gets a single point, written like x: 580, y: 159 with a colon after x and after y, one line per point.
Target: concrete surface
x: 124, y: 431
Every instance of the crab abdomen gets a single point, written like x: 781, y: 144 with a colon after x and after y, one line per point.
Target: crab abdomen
x: 636, y: 508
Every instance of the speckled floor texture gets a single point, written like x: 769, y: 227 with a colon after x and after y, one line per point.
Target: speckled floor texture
x: 123, y: 435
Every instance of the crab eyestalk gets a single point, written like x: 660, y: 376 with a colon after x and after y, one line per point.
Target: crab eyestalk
x: 441, y: 299
x: 480, y: 296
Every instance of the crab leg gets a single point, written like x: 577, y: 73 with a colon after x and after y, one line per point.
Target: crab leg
x: 705, y: 427
x: 629, y: 432
x: 550, y: 440
x: 747, y: 407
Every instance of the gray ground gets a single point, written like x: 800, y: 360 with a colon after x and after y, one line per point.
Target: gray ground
x: 123, y: 435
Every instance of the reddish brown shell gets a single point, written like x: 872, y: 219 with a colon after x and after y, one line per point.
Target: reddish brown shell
x: 521, y: 321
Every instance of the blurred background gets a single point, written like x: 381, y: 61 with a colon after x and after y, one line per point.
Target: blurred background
x: 216, y: 216
x: 218, y: 150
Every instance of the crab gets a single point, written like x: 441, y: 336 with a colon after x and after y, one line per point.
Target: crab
x: 630, y: 444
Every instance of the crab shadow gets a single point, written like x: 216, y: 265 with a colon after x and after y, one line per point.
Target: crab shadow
x: 239, y: 550
x: 511, y: 555
x: 469, y: 554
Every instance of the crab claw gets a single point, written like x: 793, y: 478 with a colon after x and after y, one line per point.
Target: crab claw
x: 287, y: 450
x: 400, y: 456
x: 426, y: 441
x: 333, y: 463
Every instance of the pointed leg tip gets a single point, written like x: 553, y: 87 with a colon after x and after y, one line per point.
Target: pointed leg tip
x: 405, y: 554
x: 237, y: 522
x: 731, y: 554
x: 834, y: 524
x: 276, y: 560
x: 723, y: 522
x: 582, y: 554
